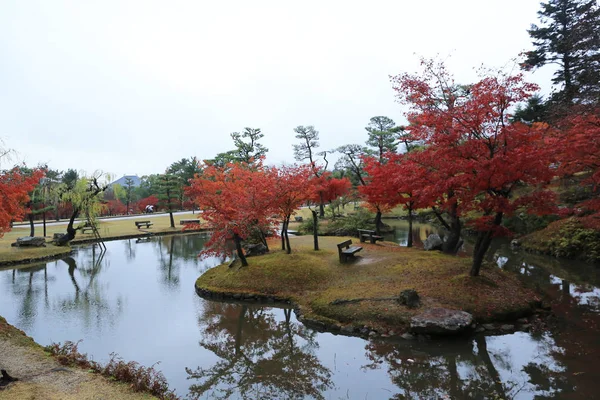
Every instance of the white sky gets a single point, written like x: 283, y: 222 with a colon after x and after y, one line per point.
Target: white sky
x: 128, y: 87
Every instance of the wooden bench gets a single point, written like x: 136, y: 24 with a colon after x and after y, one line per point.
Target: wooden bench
x: 363, y: 234
x: 145, y: 224
x: 345, y: 251
x: 189, y: 222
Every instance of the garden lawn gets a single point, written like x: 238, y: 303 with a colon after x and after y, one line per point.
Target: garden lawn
x: 313, y: 280
x: 108, y: 228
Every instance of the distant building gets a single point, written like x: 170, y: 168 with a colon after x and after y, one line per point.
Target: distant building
x: 123, y: 181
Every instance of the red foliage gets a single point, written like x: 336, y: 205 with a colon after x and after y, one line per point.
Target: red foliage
x: 115, y: 207
x: 235, y: 200
x: 381, y: 192
x: 474, y: 158
x: 15, y: 186
x: 578, y: 151
x: 150, y: 200
x: 292, y: 187
x: 334, y: 188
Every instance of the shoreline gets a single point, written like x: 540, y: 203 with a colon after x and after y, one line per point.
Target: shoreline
x: 362, y: 298
x: 77, y: 242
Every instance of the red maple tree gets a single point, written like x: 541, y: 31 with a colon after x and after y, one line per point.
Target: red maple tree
x: 476, y: 156
x: 578, y: 152
x: 292, y: 187
x: 15, y: 186
x: 237, y: 201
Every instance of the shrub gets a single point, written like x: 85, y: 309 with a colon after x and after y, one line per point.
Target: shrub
x: 141, y: 379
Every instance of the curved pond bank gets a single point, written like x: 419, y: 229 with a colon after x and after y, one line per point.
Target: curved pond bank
x: 138, y: 300
x: 363, y: 297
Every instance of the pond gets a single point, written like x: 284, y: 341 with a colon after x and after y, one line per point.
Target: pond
x: 138, y: 300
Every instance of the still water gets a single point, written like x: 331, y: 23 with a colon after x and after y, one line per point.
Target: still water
x: 138, y: 300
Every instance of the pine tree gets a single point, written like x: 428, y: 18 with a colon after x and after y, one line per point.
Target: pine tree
x: 169, y: 188
x: 569, y: 36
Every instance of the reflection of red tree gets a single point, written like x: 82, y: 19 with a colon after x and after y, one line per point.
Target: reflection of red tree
x: 260, y: 357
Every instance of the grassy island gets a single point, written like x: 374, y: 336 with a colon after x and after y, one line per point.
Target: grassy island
x: 315, y: 280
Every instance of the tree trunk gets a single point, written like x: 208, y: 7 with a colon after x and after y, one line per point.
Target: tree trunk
x: 378, y: 222
x: 44, y: 222
x: 287, y: 238
x: 315, y: 229
x: 71, y: 232
x: 171, y: 217
x: 238, y: 247
x: 31, y: 225
x: 409, y: 241
x: 321, y: 205
x: 283, y: 231
x: 482, y: 245
x: 453, y: 241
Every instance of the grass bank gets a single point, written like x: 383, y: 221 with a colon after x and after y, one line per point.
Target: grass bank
x: 574, y: 238
x: 315, y: 280
x: 109, y: 229
x: 40, y: 376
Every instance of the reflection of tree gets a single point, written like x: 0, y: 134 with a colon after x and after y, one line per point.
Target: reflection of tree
x: 29, y: 291
x: 129, y: 249
x: 260, y: 357
x: 464, y: 369
x: 169, y: 271
x: 89, y: 296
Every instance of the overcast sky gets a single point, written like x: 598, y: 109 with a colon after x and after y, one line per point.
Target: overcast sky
x: 128, y: 87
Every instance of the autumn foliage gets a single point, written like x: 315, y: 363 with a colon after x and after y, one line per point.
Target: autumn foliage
x: 236, y: 201
x: 15, y: 186
x: 474, y: 158
x: 578, y: 152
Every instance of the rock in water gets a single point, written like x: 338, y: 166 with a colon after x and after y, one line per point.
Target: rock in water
x: 441, y: 321
x: 28, y: 241
x: 409, y: 298
x: 433, y: 242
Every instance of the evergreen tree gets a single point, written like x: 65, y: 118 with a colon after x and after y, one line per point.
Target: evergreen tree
x: 168, y: 193
x: 382, y: 135
x: 569, y: 36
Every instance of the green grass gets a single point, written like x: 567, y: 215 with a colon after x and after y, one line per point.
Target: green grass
x: 314, y: 279
x: 109, y: 228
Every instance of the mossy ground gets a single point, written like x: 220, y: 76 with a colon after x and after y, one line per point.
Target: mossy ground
x: 315, y: 279
x: 569, y: 238
x: 108, y: 228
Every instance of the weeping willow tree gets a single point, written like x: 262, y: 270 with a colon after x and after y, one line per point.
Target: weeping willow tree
x: 85, y: 200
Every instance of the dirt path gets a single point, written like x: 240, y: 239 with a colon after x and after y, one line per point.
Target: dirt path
x: 41, y: 377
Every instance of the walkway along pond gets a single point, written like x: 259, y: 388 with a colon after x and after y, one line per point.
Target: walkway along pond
x: 138, y: 300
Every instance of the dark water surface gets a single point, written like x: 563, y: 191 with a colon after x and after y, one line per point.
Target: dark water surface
x: 138, y: 300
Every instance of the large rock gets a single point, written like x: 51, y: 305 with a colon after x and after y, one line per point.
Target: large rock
x: 409, y: 298
x: 255, y: 249
x: 28, y: 241
x: 433, y: 242
x: 441, y: 321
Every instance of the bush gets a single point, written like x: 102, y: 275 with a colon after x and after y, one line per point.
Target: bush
x: 141, y: 379
x: 524, y: 223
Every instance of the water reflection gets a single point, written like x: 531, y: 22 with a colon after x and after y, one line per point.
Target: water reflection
x: 138, y: 300
x: 504, y: 367
x: 259, y: 356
